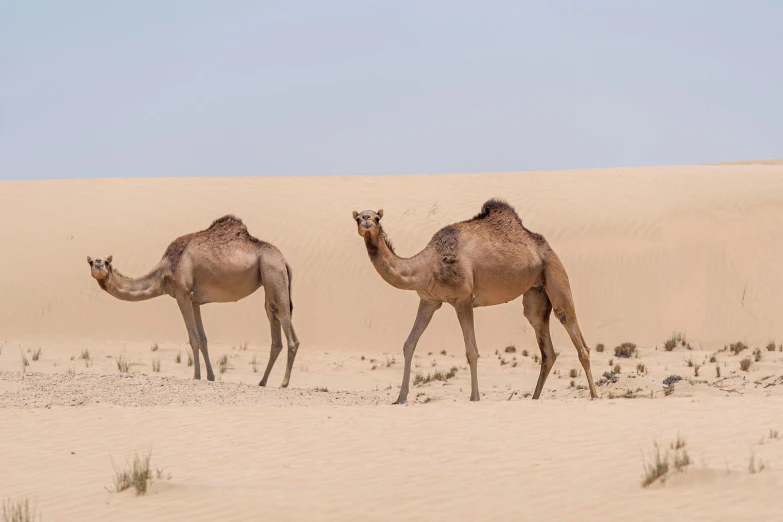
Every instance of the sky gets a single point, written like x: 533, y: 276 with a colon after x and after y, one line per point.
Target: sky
x: 254, y: 88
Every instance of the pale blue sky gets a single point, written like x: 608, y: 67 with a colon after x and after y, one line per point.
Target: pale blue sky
x: 194, y: 88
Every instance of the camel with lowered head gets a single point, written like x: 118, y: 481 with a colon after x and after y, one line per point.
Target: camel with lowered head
x: 221, y: 264
x: 488, y: 260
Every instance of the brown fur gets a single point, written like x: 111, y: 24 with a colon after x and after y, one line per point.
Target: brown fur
x: 487, y: 260
x: 222, y: 263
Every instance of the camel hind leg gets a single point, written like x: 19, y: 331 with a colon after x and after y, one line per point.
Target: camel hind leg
x: 537, y: 311
x: 558, y: 290
x: 277, y: 286
x: 203, y: 341
x: 277, y: 341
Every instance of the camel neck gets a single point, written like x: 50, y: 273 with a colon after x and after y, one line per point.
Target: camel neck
x: 135, y: 289
x: 402, y: 273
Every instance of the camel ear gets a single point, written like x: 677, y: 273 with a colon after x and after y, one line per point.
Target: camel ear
x: 380, y: 213
x: 355, y: 214
x: 89, y: 260
x: 108, y: 260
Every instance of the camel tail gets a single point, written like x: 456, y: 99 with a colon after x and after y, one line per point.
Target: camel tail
x: 290, y: 297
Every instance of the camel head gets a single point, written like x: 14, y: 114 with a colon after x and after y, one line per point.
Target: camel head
x: 99, y: 267
x: 368, y: 222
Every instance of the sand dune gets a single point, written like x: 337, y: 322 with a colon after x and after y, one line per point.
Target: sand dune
x: 649, y: 251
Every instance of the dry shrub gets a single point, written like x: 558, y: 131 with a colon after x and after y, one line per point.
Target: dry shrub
x: 737, y: 347
x: 625, y: 350
x: 745, y: 364
x: 511, y: 349
x: 599, y: 347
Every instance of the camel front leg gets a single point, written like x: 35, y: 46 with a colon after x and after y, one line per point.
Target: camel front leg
x: 423, y: 317
x: 186, y: 308
x: 203, y: 341
x: 465, y: 315
x: 538, y: 309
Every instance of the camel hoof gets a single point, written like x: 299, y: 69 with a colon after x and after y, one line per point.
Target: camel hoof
x: 400, y: 401
x: 474, y: 399
x: 284, y: 385
x: 210, y: 377
x: 262, y: 383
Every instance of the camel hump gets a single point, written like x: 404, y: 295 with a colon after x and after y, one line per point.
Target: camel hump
x: 226, y: 221
x: 495, y: 206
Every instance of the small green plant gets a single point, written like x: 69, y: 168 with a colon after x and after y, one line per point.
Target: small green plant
x: 573, y: 373
x: 443, y: 352
x: 599, y: 347
x: 625, y: 350
x: 137, y: 475
x: 525, y: 353
x: 641, y: 368
x: 572, y: 384
x: 657, y: 467
x: 85, y: 355
x: 689, y: 362
x: 37, y: 354
x: 122, y: 363
x: 154, y: 347
x: 745, y: 364
x: 616, y: 369
x: 713, y: 358
x: 178, y: 358
x: 511, y: 349
x: 437, y: 376
x: 223, y: 365
x: 190, y: 358
x: 323, y: 389
x: 25, y: 362
x: 757, y: 354
x: 696, y: 370
x: 755, y: 467
x: 254, y: 364
x: 611, y: 362
x: 717, y: 371
x: 771, y: 347
x: 19, y: 510
x: 156, y: 365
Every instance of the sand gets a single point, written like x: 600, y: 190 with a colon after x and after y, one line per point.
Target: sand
x: 649, y: 251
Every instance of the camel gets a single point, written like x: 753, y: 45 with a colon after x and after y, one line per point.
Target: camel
x: 488, y: 260
x: 221, y: 264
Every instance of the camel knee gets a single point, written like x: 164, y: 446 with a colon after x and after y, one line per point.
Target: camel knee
x: 408, y: 349
x: 472, y: 356
x: 293, y: 347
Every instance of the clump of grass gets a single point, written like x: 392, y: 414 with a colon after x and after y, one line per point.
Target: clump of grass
x: 390, y: 361
x: 689, y: 362
x: 753, y: 467
x: 19, y: 510
x: 745, y: 364
x: 37, y: 354
x: 190, y: 359
x: 85, y: 355
x: 641, y: 368
x: 243, y: 347
x: 713, y: 358
x: 156, y: 365
x: 625, y: 350
x: 323, y: 389
x: 511, y: 349
x: 696, y: 370
x: 223, y: 365
x: 71, y: 370
x: 437, y: 376
x: 616, y: 369
x: 443, y: 352
x: 573, y: 384
x: 676, y: 338
x: 659, y: 466
x: 611, y: 362
x: 136, y: 475
x: 154, y: 347
x: 25, y: 361
x: 737, y: 347
x: 525, y: 353
x: 757, y: 354
x: 536, y: 359
x: 254, y: 364
x: 656, y: 468
x: 717, y: 370
x: 771, y: 346
x: 773, y: 434
x: 599, y: 347
x: 178, y: 358
x: 573, y: 373
x: 122, y: 363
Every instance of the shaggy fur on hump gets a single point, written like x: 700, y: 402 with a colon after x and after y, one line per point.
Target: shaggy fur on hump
x: 496, y: 206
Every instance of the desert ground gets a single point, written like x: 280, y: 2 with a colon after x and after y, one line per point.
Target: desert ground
x: 684, y: 263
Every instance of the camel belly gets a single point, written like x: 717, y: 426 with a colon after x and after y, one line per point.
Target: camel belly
x: 497, y: 288
x: 225, y: 287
